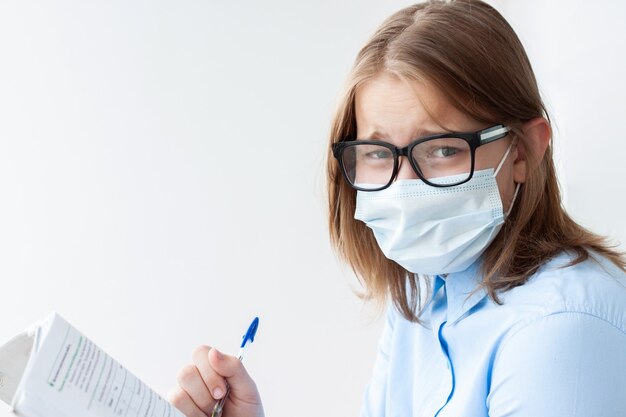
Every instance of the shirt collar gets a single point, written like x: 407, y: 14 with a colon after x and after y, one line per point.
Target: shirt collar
x: 463, y: 291
x: 454, y: 295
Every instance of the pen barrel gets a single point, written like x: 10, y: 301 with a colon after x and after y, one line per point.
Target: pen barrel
x: 248, y: 337
x: 219, y: 406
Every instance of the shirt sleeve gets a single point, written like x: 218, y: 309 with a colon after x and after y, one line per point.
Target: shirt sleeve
x: 565, y: 364
x: 376, y: 391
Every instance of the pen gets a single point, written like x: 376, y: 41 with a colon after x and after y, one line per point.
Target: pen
x: 248, y: 337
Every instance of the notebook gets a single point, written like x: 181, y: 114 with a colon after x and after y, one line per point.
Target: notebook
x: 52, y: 370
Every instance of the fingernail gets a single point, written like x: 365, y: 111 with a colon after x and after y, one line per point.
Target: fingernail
x: 217, y: 393
x: 218, y: 354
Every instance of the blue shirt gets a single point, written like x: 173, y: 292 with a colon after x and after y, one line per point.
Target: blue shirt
x: 555, y: 348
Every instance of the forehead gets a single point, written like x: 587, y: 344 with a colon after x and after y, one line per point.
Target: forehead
x: 392, y: 108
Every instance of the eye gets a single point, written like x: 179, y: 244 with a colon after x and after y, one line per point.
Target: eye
x: 445, y: 151
x: 441, y: 151
x: 379, y: 154
x: 373, y: 153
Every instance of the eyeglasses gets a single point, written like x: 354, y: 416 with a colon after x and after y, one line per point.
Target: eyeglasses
x: 442, y: 160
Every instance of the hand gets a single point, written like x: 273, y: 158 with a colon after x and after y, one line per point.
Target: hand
x: 203, y: 383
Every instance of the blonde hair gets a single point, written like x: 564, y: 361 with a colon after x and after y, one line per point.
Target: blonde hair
x: 468, y: 52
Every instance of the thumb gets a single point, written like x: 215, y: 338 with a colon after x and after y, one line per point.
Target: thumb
x: 231, y: 368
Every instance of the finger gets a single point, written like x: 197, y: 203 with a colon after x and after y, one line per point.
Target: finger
x: 215, y: 383
x: 191, y: 382
x: 231, y: 368
x: 183, y: 402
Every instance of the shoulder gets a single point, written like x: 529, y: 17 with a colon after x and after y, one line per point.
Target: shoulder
x: 595, y: 287
x: 565, y: 364
x: 566, y: 353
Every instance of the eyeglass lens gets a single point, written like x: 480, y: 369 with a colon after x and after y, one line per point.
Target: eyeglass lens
x: 371, y: 166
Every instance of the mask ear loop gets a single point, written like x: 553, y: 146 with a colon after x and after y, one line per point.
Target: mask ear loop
x: 508, y: 150
x: 506, y: 154
x: 512, y: 200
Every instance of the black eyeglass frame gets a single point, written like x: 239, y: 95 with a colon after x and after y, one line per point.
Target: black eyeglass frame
x: 474, y: 140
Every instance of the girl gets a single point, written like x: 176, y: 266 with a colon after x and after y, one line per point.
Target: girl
x: 443, y: 198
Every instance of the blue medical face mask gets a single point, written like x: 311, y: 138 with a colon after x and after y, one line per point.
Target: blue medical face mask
x: 432, y: 230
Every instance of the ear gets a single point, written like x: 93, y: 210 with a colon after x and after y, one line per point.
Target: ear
x: 537, y: 134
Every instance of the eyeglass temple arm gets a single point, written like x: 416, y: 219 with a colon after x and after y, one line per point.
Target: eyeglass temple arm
x: 493, y: 133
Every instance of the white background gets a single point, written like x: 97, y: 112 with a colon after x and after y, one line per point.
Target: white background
x: 161, y: 175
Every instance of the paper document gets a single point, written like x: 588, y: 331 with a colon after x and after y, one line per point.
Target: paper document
x: 52, y: 370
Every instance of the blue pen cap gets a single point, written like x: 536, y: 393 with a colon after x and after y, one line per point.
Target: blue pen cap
x: 249, y: 336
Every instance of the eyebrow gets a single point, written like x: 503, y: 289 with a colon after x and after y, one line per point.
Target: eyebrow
x: 420, y: 134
